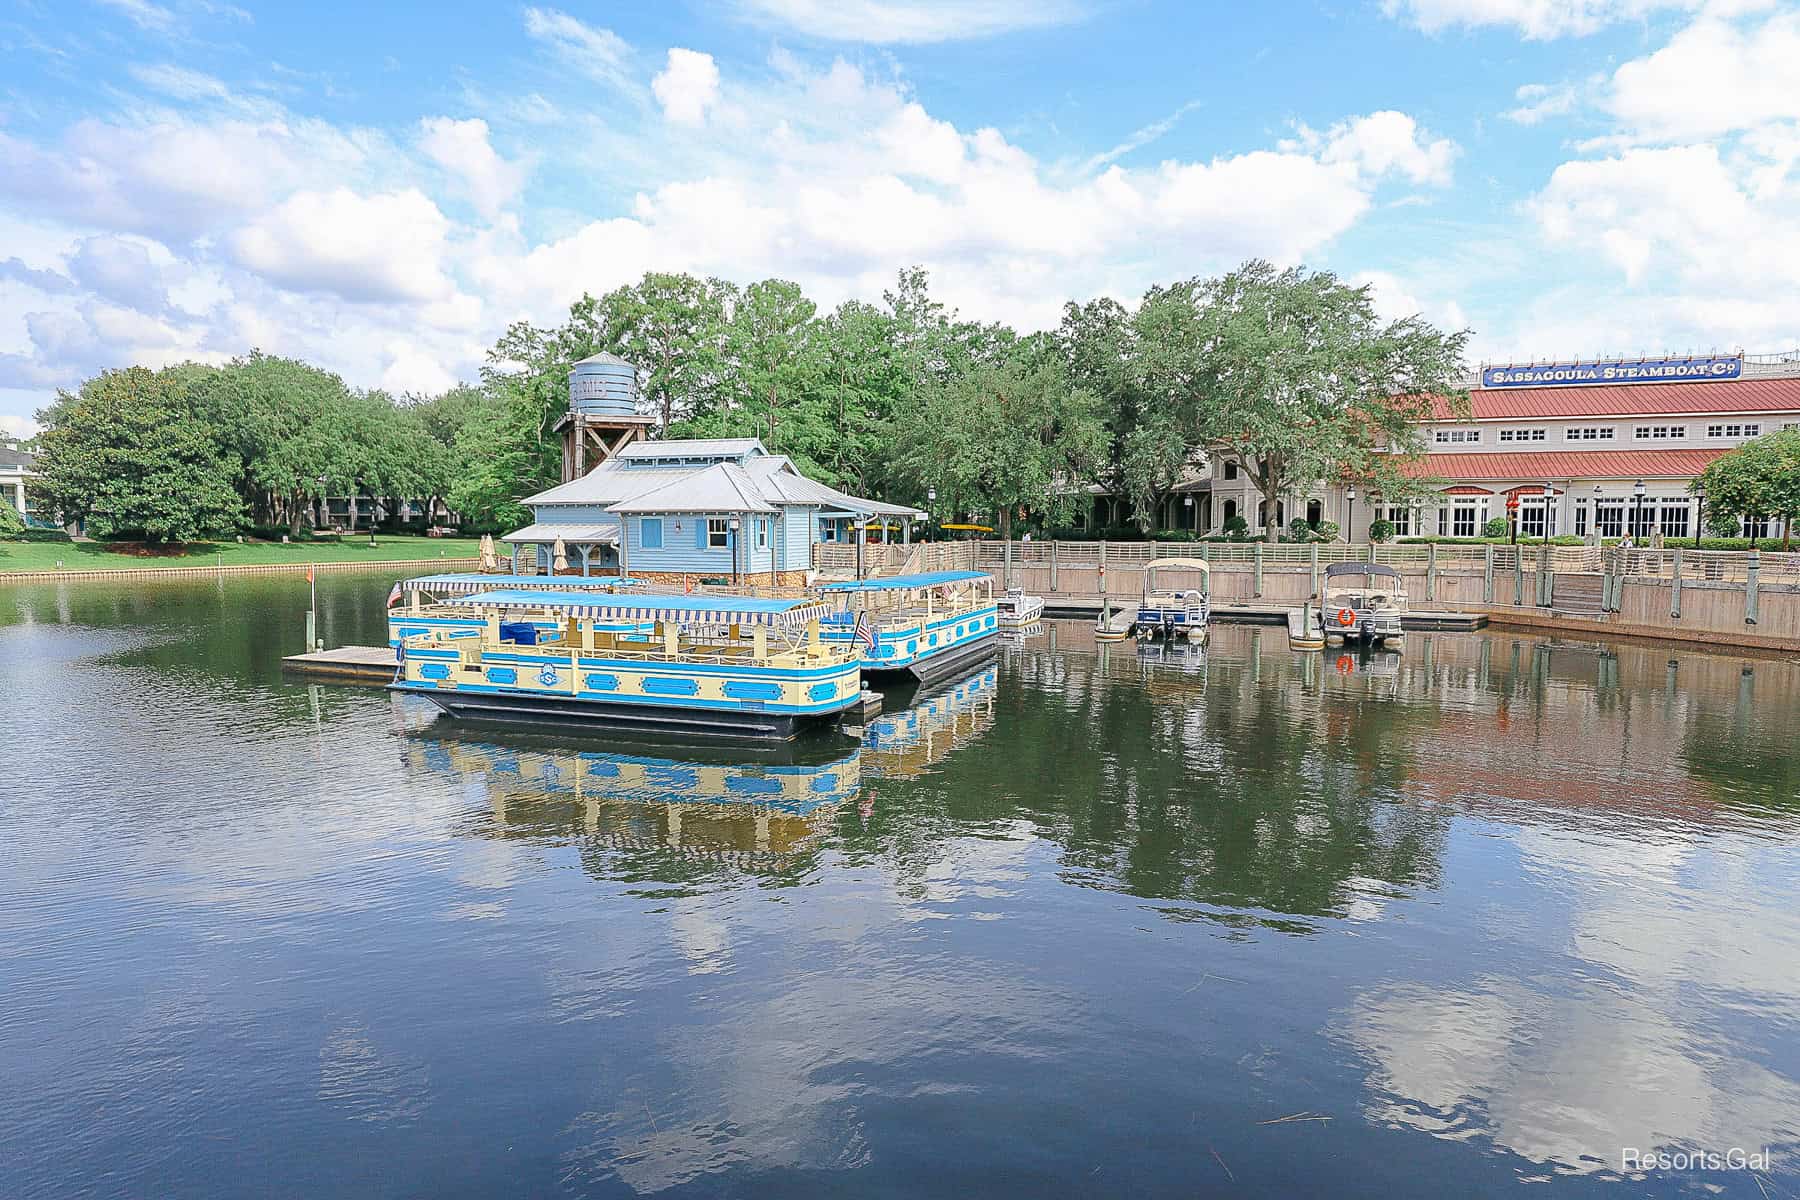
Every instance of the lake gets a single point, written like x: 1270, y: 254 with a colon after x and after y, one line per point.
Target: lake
x: 1241, y: 922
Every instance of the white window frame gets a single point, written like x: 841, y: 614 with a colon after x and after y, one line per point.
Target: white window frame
x: 1658, y: 433
x: 718, y: 533
x: 1455, y: 437
x: 1589, y: 433
x: 1534, y: 433
x: 1734, y: 429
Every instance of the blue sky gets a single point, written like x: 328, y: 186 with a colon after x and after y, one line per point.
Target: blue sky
x: 380, y: 188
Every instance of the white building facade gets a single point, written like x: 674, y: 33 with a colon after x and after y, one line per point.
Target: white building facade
x: 1581, y: 449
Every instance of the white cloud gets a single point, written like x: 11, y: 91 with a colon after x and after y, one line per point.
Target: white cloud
x: 1538, y: 20
x: 143, y: 14
x: 1540, y: 101
x: 385, y: 247
x: 600, y: 54
x: 883, y: 22
x: 1713, y: 77
x: 1382, y: 143
x: 687, y: 87
x: 180, y: 82
x: 462, y: 148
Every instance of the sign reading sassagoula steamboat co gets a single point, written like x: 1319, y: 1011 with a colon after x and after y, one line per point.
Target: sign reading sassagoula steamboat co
x: 1649, y: 370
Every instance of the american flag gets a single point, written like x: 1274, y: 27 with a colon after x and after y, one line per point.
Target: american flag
x: 394, y: 596
x: 865, y: 631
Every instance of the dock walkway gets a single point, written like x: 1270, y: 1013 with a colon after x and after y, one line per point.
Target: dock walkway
x: 346, y: 664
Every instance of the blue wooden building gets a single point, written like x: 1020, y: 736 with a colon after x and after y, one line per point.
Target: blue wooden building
x: 712, y: 508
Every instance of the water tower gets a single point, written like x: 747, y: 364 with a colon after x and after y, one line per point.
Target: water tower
x: 603, y: 416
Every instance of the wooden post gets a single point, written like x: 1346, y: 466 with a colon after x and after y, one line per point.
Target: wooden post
x: 1518, y: 596
x: 1103, y: 566
x: 1750, y: 582
x: 1314, y: 568
x: 1431, y: 571
x: 1006, y: 569
x: 1053, y: 564
x: 1675, y: 588
x: 1487, y: 574
x: 1258, y: 554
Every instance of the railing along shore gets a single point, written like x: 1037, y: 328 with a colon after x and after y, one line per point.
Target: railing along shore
x: 222, y: 569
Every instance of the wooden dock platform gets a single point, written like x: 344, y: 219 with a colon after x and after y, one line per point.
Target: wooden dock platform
x: 346, y: 664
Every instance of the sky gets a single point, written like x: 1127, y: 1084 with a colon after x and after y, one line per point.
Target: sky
x: 382, y: 188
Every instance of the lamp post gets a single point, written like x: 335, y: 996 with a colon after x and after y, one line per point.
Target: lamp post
x: 1549, y: 495
x: 1189, y: 502
x: 1350, y: 514
x: 1512, y: 519
x: 733, y: 526
x: 1699, y: 513
x: 1637, y: 512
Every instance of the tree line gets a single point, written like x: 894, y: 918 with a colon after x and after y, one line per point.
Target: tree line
x: 1290, y: 373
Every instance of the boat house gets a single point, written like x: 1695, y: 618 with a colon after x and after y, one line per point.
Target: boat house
x: 715, y: 508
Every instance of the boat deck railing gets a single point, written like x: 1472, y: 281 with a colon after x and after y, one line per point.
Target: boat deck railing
x: 554, y: 645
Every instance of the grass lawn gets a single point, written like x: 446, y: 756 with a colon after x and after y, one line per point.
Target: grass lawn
x: 105, y: 556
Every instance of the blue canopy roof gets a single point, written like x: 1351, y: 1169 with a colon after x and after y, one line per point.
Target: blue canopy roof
x: 474, y: 581
x: 897, y: 582
x: 710, y: 610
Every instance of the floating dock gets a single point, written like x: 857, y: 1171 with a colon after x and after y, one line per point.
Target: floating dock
x: 346, y: 664
x: 1265, y: 613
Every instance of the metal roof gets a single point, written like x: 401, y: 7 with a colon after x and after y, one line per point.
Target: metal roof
x: 896, y: 582
x: 720, y: 488
x: 546, y: 533
x: 710, y: 610
x: 471, y: 581
x: 1631, y: 400
x: 16, y: 458
x: 604, y: 357
x: 1497, y: 466
x: 693, y: 448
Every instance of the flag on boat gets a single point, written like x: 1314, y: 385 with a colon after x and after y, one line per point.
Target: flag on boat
x: 394, y: 596
x: 865, y: 631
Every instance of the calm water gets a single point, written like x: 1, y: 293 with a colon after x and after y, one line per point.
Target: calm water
x: 1085, y: 925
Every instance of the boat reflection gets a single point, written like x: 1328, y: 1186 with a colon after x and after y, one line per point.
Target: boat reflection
x: 719, y: 808
x: 913, y: 740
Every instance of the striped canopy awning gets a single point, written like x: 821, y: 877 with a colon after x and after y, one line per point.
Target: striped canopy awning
x: 456, y: 583
x: 676, y: 610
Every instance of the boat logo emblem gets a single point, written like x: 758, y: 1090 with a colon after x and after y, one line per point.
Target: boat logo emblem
x: 547, y: 676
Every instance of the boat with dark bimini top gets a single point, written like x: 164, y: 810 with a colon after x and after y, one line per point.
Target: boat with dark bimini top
x: 924, y: 625
x: 716, y: 666
x: 1363, y: 602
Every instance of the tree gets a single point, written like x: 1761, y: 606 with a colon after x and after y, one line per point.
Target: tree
x: 1760, y: 480
x: 127, y: 454
x: 1005, y: 437
x: 1292, y: 375
x: 672, y: 329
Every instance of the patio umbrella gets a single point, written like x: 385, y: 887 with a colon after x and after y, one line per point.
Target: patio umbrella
x: 559, y: 556
x: 488, y: 560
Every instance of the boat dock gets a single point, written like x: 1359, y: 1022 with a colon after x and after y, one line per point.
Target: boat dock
x: 346, y: 664
x: 1268, y: 613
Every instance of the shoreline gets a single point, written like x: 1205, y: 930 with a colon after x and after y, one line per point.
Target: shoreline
x: 222, y: 569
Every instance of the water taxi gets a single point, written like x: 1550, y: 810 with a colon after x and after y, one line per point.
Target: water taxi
x: 1017, y: 610
x: 716, y: 666
x: 925, y: 625
x: 422, y: 604
x: 1363, y: 603
x: 1167, y: 609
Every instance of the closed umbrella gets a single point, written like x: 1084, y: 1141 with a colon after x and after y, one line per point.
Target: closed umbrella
x: 488, y: 559
x: 559, y: 556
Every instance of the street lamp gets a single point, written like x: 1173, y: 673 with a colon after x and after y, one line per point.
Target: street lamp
x: 1549, y: 494
x: 733, y: 526
x: 1699, y: 513
x: 1637, y: 514
x: 1350, y: 514
x: 1189, y: 502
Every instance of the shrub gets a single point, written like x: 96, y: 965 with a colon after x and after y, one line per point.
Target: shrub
x: 1380, y: 529
x: 1299, y: 531
x: 1496, y: 527
x: 1236, y: 527
x: 1327, y: 531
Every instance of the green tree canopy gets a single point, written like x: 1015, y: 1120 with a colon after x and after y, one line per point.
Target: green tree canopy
x: 1291, y: 374
x: 1758, y: 480
x: 127, y: 454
